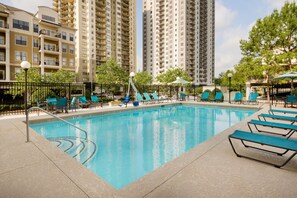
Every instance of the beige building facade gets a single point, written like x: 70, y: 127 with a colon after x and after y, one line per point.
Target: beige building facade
x: 106, y: 29
x: 38, y: 38
x: 179, y: 33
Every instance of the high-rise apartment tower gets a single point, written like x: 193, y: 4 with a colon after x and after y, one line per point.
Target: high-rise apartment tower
x: 105, y: 29
x: 179, y: 33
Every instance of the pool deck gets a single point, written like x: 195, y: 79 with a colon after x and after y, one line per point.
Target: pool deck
x: 39, y: 169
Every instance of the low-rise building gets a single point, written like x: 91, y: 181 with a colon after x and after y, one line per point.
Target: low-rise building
x: 38, y: 38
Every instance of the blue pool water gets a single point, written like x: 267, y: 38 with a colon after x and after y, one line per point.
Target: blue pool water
x: 128, y: 145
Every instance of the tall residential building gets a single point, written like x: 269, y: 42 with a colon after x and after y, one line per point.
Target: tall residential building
x: 179, y: 33
x: 105, y: 29
x: 38, y: 38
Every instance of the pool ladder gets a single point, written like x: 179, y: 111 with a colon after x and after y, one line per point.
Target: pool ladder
x: 75, y: 150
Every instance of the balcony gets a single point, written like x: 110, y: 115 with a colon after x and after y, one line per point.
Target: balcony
x: 50, y: 49
x: 4, y: 25
x: 50, y: 34
x: 50, y: 63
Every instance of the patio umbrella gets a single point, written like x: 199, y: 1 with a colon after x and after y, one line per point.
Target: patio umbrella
x: 180, y: 81
x: 288, y: 76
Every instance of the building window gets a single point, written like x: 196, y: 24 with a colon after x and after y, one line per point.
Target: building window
x: 71, y: 37
x: 64, y: 48
x: 64, y: 35
x: 2, y: 40
x: 21, y: 40
x: 48, y: 18
x: 64, y: 61
x: 35, y: 42
x: 71, y: 49
x: 20, y: 56
x: 2, y: 56
x: 35, y: 58
x: 71, y: 62
x: 23, y: 25
x: 2, y: 74
x: 35, y: 28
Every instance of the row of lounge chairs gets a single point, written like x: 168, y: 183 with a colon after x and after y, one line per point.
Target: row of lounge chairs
x: 238, y: 97
x: 148, y: 99
x: 281, y: 139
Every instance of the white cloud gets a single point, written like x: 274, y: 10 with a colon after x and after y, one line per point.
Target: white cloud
x: 227, y: 49
x: 276, y: 4
x: 223, y: 16
x: 31, y: 5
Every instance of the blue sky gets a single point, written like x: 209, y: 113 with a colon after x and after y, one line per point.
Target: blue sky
x: 234, y: 19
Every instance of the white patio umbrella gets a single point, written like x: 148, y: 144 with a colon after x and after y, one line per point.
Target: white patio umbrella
x: 180, y: 81
x: 288, y: 76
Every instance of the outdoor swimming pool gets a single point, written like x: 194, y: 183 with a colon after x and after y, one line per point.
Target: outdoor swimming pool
x: 124, y: 146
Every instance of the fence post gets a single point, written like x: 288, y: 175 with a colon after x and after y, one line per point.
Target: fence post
x: 101, y: 96
x: 194, y: 92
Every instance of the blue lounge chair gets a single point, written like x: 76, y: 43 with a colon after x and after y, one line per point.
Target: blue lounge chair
x: 218, y: 97
x: 95, y: 101
x: 278, y: 117
x: 139, y: 97
x: 62, y: 104
x: 238, y: 97
x: 253, y: 98
x: 182, y: 96
x: 290, y: 100
x: 51, y: 103
x: 73, y: 103
x: 205, y: 96
x: 272, y: 111
x: 126, y: 100
x: 156, y: 98
x: 289, y: 128
x: 266, y: 140
x: 83, y: 103
x: 147, y: 97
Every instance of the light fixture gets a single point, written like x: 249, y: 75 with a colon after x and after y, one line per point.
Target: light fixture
x: 132, y: 74
x: 26, y: 65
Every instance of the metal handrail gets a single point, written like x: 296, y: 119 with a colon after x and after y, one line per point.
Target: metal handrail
x: 38, y: 108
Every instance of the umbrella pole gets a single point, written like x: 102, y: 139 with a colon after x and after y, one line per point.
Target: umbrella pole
x: 292, y: 86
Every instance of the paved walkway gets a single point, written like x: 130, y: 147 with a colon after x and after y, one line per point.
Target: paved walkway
x: 39, y: 169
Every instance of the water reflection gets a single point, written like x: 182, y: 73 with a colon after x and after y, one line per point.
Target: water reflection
x: 131, y: 144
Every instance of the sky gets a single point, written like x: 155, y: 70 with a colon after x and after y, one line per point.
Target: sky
x: 234, y: 19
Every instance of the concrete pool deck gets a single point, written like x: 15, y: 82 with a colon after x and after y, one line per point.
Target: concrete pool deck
x: 39, y: 169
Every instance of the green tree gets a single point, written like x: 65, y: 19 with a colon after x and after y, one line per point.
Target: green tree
x: 61, y: 76
x: 271, y: 44
x: 33, y: 75
x: 171, y: 75
x: 39, y: 93
x: 111, y: 73
x: 143, y: 78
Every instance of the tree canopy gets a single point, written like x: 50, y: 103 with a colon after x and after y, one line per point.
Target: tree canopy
x: 143, y: 78
x: 111, y: 73
x: 271, y: 45
x: 171, y: 75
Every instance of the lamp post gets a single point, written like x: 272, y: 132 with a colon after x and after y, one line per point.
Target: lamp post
x: 229, y: 77
x: 26, y: 65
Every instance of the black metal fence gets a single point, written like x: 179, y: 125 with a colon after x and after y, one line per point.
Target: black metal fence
x: 12, y: 93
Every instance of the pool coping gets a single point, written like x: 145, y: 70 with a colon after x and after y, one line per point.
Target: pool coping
x: 93, y: 186
x: 147, y: 183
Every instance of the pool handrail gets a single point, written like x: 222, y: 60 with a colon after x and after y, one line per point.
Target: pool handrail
x: 38, y: 108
